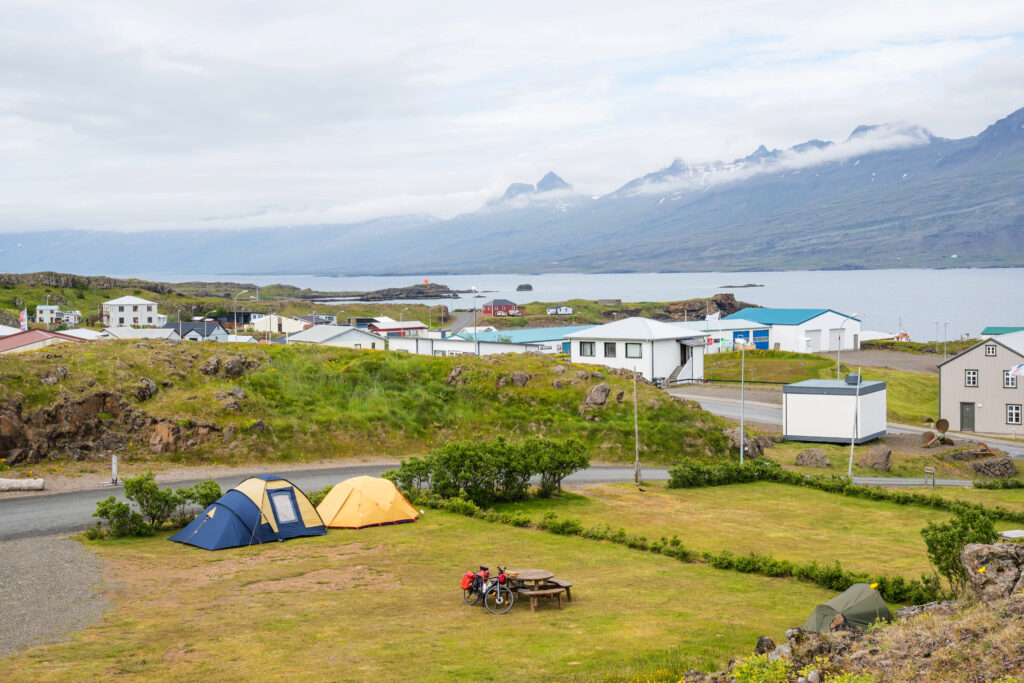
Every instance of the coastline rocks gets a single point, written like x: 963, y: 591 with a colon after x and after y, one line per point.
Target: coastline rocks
x: 877, y: 459
x: 994, y: 571
x: 813, y: 457
x: 999, y: 467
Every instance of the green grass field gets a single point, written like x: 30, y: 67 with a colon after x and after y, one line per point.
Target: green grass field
x: 765, y: 518
x: 952, y: 347
x: 329, y: 402
x: 385, y: 604
x: 910, y: 396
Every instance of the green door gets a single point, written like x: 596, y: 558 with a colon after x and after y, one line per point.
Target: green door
x: 966, y: 417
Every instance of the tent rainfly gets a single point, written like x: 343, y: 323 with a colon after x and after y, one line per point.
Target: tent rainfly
x: 365, y: 501
x: 860, y: 605
x: 261, y: 509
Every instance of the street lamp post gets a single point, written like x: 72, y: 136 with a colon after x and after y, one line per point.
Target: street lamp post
x: 236, y: 311
x: 936, y: 337
x: 743, y: 373
x: 853, y: 439
x: 945, y: 335
x: 476, y: 331
x: 636, y: 433
x: 839, y: 351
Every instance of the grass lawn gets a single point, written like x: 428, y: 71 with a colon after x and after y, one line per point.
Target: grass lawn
x: 384, y: 604
x: 1011, y: 499
x: 784, y: 521
x: 911, y: 397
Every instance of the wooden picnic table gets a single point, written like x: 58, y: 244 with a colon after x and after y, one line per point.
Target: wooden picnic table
x: 537, y: 576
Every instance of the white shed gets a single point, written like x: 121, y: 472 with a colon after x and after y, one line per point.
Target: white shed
x: 823, y: 410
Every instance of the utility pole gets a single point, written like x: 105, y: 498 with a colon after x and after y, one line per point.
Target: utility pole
x: 743, y: 374
x: 636, y: 432
x: 853, y: 439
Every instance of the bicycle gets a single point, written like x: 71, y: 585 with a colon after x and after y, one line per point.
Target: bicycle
x: 495, y: 593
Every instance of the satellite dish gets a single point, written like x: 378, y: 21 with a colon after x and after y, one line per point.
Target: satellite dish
x: 942, y: 425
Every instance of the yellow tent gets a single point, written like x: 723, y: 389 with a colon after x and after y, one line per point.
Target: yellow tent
x: 365, y: 501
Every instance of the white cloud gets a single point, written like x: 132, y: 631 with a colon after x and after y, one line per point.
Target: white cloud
x: 129, y: 115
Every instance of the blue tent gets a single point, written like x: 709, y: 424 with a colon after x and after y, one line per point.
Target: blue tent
x: 259, y: 510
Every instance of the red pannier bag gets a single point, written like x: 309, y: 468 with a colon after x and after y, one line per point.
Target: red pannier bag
x: 467, y: 580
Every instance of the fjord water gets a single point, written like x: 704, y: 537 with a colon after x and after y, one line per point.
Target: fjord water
x: 970, y: 299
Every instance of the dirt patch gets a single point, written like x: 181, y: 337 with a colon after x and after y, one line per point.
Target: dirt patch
x: 334, y: 579
x: 179, y: 655
x: 912, y: 444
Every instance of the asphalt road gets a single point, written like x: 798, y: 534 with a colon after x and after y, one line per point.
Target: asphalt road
x: 32, y: 516
x: 770, y: 413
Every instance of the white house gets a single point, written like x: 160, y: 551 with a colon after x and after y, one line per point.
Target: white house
x: 805, y: 330
x: 47, y: 315
x: 199, y: 331
x: 559, y: 310
x: 655, y: 349
x: 338, y: 335
x: 398, y: 328
x: 977, y: 390
x: 131, y: 311
x: 457, y: 346
x: 70, y: 317
x: 825, y: 410
x: 141, y: 333
x: 278, y: 323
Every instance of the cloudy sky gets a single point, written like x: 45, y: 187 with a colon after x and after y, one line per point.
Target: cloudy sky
x: 141, y: 115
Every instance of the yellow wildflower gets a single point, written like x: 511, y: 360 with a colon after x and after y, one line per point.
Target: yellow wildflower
x: 874, y: 585
x: 981, y: 570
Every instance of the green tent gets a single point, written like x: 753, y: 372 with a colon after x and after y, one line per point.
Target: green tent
x: 860, y: 604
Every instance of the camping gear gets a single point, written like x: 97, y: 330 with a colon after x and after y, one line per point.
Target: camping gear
x: 261, y: 509
x: 495, y: 593
x: 365, y: 501
x: 860, y: 605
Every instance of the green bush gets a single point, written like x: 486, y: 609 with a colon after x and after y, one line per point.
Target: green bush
x: 760, y: 669
x: 156, y: 504
x: 945, y: 542
x: 1000, y: 484
x: 120, y: 518
x: 317, y: 497
x: 489, y: 471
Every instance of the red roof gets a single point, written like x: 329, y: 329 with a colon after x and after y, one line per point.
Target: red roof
x: 16, y: 341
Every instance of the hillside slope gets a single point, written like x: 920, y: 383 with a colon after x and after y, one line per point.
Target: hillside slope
x: 212, y: 402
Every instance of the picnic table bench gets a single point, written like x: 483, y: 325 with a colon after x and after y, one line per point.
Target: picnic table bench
x: 544, y: 584
x: 533, y: 594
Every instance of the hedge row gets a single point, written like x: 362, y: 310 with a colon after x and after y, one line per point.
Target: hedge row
x: 999, y: 484
x: 489, y: 471
x: 834, y: 577
x: 695, y: 475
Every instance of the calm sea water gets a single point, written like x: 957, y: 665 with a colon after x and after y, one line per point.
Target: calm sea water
x: 969, y: 299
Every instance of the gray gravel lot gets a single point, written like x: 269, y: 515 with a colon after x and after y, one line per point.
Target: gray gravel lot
x: 50, y: 587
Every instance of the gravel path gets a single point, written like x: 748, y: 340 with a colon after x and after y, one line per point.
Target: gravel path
x: 897, y: 360
x: 50, y: 587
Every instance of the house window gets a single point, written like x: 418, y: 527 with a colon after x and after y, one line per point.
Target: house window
x: 149, y: 320
x: 373, y: 345
x: 1009, y: 381
x: 990, y: 349
x: 120, y: 309
x: 970, y: 378
x: 609, y: 349
x: 1013, y: 414
x: 358, y: 346
x: 120, y: 321
x: 633, y: 350
x: 135, y: 309
x: 586, y: 348
x: 149, y: 309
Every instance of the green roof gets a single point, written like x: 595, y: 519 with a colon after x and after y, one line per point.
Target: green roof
x: 996, y: 330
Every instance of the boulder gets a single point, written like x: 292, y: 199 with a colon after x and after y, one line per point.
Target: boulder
x: 22, y: 485
x: 54, y: 375
x: 519, y: 379
x: 598, y: 395
x: 764, y: 645
x: 236, y: 366
x: 258, y: 426
x: 994, y: 571
x: 210, y: 366
x: 588, y: 374
x: 165, y: 437
x: 755, y: 446
x: 557, y: 383
x: 237, y: 393
x: 558, y: 369
x: 455, y: 376
x: 145, y: 391
x: 619, y: 395
x: 813, y: 457
x: 877, y: 459
x: 1000, y: 467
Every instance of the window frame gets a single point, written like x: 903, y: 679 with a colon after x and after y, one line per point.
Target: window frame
x: 614, y: 347
x: 990, y: 350
x: 1009, y: 407
x: 967, y: 378
x: 588, y: 345
x: 639, y: 349
x: 1009, y: 381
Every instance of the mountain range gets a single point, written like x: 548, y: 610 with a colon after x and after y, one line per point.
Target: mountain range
x: 888, y: 196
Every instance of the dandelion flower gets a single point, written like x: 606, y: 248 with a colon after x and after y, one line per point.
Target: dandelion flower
x: 874, y: 585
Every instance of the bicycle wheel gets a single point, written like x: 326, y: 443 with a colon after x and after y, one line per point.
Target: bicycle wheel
x: 499, y: 599
x: 470, y: 596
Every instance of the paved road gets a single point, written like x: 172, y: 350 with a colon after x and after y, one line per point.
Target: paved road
x: 32, y: 516
x: 770, y: 413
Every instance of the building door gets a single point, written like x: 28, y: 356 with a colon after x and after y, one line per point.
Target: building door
x: 966, y: 417
x: 812, y: 341
x: 835, y: 339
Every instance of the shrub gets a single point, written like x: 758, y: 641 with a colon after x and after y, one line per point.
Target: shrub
x: 155, y: 503
x: 317, y: 497
x: 760, y: 669
x: 946, y: 541
x: 120, y: 518
x: 562, y: 527
x: 555, y: 460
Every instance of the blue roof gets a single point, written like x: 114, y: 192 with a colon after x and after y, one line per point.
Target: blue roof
x: 532, y: 335
x: 782, y: 316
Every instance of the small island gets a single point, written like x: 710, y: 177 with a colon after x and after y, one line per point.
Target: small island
x: 524, y: 288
